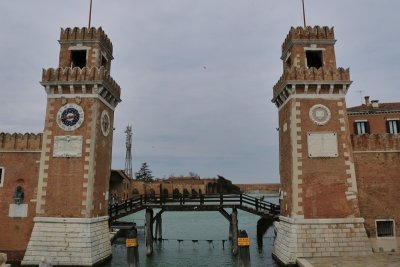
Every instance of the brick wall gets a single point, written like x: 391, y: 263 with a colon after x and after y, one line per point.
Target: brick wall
x: 273, y: 188
x: 20, y: 169
x: 377, y: 122
x: 377, y: 159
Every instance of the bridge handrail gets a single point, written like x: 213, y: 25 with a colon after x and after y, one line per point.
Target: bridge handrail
x: 140, y: 202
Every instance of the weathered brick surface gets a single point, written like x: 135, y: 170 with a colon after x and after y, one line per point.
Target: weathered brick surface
x: 378, y: 178
x: 20, y: 169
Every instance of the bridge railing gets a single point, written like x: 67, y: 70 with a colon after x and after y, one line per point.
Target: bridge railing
x: 140, y: 202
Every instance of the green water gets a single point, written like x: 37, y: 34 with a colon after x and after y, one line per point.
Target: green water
x: 201, y: 226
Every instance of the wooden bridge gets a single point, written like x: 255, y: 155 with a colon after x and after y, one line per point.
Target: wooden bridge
x: 268, y: 211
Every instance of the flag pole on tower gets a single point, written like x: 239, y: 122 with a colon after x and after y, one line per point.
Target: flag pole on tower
x: 304, y: 14
x: 90, y: 13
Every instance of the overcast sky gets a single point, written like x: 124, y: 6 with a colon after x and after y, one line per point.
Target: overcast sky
x: 196, y: 76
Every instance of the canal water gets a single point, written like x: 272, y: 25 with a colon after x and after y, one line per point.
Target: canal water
x: 202, y: 234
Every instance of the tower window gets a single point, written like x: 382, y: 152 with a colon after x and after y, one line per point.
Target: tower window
x: 392, y: 126
x: 361, y: 127
x: 384, y: 228
x: 1, y: 176
x: 314, y: 59
x: 78, y: 58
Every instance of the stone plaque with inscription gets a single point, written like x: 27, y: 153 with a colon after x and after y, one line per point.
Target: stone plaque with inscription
x: 67, y: 146
x: 322, y: 145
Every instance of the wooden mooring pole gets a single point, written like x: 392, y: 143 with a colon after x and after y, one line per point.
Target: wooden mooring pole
x: 149, y: 232
x: 234, y: 223
x: 158, y: 235
x: 244, y: 249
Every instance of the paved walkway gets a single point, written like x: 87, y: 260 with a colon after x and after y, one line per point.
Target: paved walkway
x: 375, y: 260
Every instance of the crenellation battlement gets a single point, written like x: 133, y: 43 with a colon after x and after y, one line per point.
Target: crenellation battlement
x: 308, y: 33
x: 85, y: 34
x: 20, y: 142
x: 85, y: 74
x: 311, y: 74
x: 375, y: 142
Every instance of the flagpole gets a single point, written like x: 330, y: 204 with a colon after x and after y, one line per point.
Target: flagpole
x: 304, y: 15
x: 90, y: 13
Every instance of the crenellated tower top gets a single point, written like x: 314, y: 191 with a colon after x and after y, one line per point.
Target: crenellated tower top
x: 317, y: 34
x: 84, y: 67
x: 85, y: 47
x: 309, y: 65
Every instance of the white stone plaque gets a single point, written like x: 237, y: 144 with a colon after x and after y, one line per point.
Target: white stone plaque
x: 18, y: 210
x: 67, y: 146
x: 322, y: 145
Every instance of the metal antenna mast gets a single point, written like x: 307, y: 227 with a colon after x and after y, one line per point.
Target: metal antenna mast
x: 128, y: 157
x: 360, y: 92
x: 304, y: 14
x: 90, y: 13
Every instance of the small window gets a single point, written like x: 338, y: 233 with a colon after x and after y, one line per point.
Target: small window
x: 384, y: 228
x: 78, y: 58
x: 392, y: 126
x: 1, y: 176
x: 361, y: 127
x: 314, y: 59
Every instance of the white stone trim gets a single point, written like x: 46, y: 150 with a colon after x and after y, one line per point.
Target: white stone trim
x: 3, y: 170
x: 22, y: 151
x: 70, y: 220
x: 376, y: 151
x: 88, y: 195
x: 321, y: 221
x: 296, y: 158
x: 57, y: 96
x: 312, y: 96
x: 42, y: 167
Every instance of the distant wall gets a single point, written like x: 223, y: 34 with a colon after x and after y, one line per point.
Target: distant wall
x: 265, y: 188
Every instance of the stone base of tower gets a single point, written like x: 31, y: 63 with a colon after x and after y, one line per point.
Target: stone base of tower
x: 312, y: 238
x: 69, y: 241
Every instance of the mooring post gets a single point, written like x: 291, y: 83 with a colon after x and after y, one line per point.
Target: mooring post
x: 234, y: 223
x: 230, y: 230
x: 158, y: 235
x: 244, y: 249
x: 132, y: 248
x: 149, y: 231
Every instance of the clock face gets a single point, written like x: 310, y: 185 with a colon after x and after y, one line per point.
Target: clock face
x: 70, y: 117
x: 320, y: 114
x: 105, y: 123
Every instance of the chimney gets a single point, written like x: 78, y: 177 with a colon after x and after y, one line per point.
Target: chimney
x: 366, y: 100
x: 375, y: 103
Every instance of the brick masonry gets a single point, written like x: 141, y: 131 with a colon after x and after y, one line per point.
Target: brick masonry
x: 310, y: 238
x: 69, y: 241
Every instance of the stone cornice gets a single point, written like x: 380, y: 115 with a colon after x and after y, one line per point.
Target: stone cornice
x: 298, y: 75
x: 311, y: 89
x: 372, y: 112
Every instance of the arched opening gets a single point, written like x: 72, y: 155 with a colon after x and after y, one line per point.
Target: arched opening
x: 176, y: 194
x: 194, y: 193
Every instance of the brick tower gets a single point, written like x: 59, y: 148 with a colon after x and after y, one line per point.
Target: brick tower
x: 71, y: 223
x: 319, y: 205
